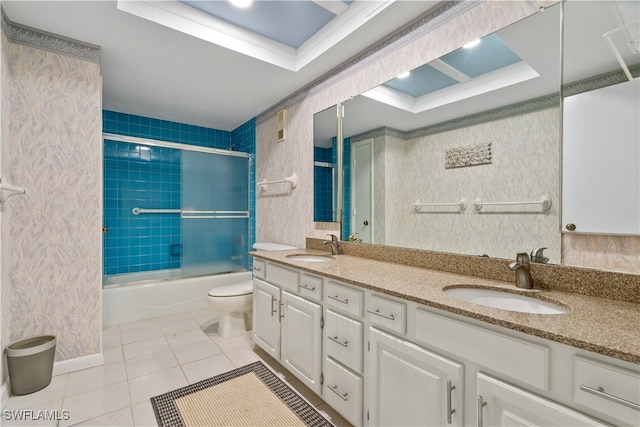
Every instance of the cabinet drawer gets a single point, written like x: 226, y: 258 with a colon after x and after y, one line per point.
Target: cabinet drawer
x: 503, y: 404
x: 343, y: 298
x: 283, y: 277
x: 343, y: 340
x: 343, y: 391
x: 310, y: 286
x: 259, y: 268
x: 387, y: 313
x: 608, y: 389
x: 511, y: 357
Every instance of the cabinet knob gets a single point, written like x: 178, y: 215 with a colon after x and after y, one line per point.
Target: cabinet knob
x: 365, y: 222
x: 570, y: 227
x: 105, y: 229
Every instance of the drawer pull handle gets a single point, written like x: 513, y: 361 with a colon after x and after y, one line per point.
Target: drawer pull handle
x: 256, y: 268
x: 334, y: 388
x: 386, y: 316
x: 282, y: 310
x: 481, y: 405
x: 313, y: 288
x: 274, y: 310
x: 600, y: 392
x: 336, y: 298
x: 336, y: 340
x: 450, y: 388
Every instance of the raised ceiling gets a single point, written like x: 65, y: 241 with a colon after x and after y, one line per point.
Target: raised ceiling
x: 168, y: 60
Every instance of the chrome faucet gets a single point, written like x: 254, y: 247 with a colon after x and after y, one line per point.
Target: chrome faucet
x: 521, y: 267
x: 335, y: 250
x: 537, y: 255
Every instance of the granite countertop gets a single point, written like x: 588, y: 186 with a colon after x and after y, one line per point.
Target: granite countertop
x: 605, y: 326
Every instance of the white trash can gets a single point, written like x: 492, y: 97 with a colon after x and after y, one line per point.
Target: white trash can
x: 30, y: 363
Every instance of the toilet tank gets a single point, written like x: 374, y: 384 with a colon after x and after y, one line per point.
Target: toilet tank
x: 269, y: 246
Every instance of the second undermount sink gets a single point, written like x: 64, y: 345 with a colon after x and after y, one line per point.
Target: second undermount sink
x: 310, y: 257
x: 505, y: 300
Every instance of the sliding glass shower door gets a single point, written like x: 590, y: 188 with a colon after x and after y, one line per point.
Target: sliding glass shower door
x: 215, y: 213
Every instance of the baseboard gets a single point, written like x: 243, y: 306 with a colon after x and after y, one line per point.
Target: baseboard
x: 84, y: 362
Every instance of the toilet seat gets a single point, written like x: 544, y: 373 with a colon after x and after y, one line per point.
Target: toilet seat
x: 233, y: 290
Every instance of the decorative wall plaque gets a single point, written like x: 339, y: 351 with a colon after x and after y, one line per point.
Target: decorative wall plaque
x: 468, y: 156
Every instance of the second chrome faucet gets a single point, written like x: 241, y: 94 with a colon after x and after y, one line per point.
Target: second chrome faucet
x: 334, y: 242
x: 521, y: 267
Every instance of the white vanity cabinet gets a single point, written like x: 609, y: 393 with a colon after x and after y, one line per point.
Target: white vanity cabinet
x: 287, y: 325
x: 607, y: 389
x: 381, y: 360
x: 266, y: 317
x: 411, y: 386
x: 502, y: 404
x: 300, y: 328
x: 343, y: 350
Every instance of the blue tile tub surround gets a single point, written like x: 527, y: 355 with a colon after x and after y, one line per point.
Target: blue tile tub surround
x: 323, y: 185
x: 143, y: 176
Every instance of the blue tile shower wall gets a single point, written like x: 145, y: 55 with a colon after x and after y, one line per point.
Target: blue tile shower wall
x: 146, y: 176
x: 346, y: 196
x: 323, y: 186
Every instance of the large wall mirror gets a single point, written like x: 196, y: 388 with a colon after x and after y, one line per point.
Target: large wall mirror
x: 464, y: 154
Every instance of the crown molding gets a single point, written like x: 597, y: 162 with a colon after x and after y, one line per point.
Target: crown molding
x: 21, y: 34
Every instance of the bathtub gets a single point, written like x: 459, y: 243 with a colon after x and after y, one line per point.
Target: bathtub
x: 147, y: 299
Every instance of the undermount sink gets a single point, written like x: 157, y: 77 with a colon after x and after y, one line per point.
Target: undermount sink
x: 505, y: 300
x: 310, y: 257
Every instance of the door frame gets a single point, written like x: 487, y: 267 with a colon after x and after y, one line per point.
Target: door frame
x: 368, y: 141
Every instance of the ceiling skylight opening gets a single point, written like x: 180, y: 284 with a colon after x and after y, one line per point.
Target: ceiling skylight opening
x: 404, y: 75
x: 471, y: 44
x: 241, y: 3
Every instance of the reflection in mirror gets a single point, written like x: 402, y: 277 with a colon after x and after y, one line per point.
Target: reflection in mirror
x: 601, y: 112
x: 466, y: 161
x: 324, y: 165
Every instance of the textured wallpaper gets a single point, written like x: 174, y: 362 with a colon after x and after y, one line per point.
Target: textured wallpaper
x: 287, y: 217
x: 51, y: 237
x: 4, y: 290
x: 524, y: 166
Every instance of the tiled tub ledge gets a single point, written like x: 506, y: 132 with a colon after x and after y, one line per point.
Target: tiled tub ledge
x: 601, y: 325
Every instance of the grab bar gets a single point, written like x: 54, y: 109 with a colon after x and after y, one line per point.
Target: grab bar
x: 462, y: 204
x: 544, y: 202
x: 138, y: 211
x: 293, y: 180
x: 8, y: 190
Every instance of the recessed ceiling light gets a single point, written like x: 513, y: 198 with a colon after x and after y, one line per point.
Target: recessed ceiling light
x: 471, y: 44
x: 404, y: 75
x: 241, y: 3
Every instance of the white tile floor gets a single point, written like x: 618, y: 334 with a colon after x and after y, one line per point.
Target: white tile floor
x: 144, y: 359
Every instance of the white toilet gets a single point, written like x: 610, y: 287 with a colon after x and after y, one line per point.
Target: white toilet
x: 234, y: 301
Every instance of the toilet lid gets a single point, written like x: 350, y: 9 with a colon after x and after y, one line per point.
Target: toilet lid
x: 232, y: 290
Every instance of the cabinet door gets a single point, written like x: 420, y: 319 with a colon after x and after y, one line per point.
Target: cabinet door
x: 410, y: 385
x: 601, y: 160
x: 266, y: 318
x: 301, y: 351
x: 501, y: 404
